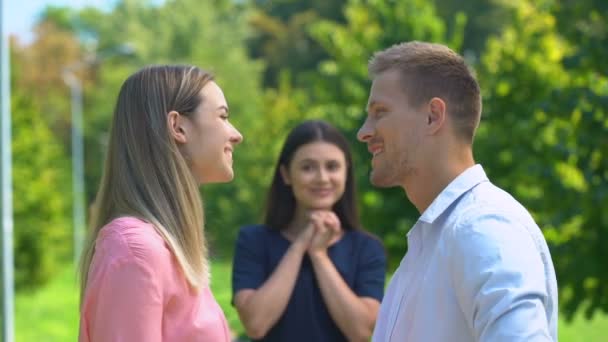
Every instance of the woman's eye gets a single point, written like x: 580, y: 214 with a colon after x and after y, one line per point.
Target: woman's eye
x: 333, y: 166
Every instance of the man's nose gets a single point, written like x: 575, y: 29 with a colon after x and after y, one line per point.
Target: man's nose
x: 365, y: 132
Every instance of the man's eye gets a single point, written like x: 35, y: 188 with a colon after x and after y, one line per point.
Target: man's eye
x: 379, y: 112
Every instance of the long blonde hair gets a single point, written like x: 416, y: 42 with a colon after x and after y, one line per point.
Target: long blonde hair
x: 145, y: 175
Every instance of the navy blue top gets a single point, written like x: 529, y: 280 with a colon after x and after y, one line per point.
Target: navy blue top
x: 358, y: 257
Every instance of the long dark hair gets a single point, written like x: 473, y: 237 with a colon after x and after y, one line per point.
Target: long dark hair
x: 281, y: 203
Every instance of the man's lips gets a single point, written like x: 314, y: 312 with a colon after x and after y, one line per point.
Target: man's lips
x: 375, y: 149
x: 228, y: 150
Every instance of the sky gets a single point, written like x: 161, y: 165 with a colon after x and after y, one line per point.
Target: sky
x: 22, y: 14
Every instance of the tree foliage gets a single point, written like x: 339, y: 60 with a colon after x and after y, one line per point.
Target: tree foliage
x: 342, y: 86
x: 282, y: 39
x: 209, y: 34
x: 545, y: 140
x: 41, y: 171
x: 543, y: 131
x: 543, y: 136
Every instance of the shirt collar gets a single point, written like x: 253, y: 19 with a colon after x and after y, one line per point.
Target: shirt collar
x: 461, y: 184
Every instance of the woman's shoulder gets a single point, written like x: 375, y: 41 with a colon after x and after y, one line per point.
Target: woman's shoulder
x: 363, y: 236
x: 132, y: 230
x: 130, y: 237
x: 365, y: 239
x: 256, y: 230
x: 260, y: 237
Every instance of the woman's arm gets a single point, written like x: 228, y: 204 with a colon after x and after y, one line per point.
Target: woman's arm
x: 125, y: 304
x: 354, y: 315
x: 261, y: 308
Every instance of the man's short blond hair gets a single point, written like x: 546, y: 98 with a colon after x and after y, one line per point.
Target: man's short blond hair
x: 432, y: 70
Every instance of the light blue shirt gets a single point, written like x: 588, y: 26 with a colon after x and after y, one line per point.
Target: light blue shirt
x: 477, y: 269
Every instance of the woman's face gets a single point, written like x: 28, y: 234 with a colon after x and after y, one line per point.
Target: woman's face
x: 317, y: 175
x: 211, y: 138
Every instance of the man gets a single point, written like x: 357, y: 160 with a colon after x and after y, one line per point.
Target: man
x: 477, y: 266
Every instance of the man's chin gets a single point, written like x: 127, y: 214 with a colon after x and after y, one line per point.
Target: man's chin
x: 379, y: 180
x: 229, y: 176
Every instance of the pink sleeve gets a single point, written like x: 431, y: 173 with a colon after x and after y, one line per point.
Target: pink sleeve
x: 128, y: 304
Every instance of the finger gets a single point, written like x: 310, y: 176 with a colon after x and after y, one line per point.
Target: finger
x: 332, y: 222
x: 316, y: 217
x: 326, y: 217
x: 335, y: 218
x: 307, y: 233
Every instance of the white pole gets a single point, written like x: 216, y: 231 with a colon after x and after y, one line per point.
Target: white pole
x: 6, y: 188
x: 78, y: 211
x: 70, y: 77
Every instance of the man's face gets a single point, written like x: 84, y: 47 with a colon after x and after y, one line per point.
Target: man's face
x: 393, y: 131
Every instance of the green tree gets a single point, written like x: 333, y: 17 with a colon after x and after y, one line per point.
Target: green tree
x: 583, y: 24
x: 342, y: 86
x: 485, y: 18
x: 553, y: 155
x: 210, y: 34
x: 41, y: 179
x: 281, y: 37
x: 543, y: 131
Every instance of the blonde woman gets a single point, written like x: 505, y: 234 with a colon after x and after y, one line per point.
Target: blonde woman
x: 144, y: 272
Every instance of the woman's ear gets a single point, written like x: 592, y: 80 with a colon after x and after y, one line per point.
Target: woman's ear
x: 284, y: 174
x: 175, y: 123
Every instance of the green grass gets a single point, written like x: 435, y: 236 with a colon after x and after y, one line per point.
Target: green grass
x: 51, y: 313
x: 582, y: 330
x: 221, y: 285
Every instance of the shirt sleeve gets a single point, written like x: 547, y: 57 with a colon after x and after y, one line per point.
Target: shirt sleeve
x: 371, y: 271
x: 248, y: 271
x: 498, y: 277
x: 128, y: 304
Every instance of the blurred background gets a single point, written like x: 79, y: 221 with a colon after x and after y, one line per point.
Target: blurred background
x: 542, y: 66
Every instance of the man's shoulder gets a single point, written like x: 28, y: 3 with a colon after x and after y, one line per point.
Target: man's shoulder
x: 487, y: 200
x: 490, y: 220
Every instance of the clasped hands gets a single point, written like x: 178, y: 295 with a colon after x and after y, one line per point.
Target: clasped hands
x: 322, y: 230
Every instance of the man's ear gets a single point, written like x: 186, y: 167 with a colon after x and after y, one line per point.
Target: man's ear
x: 175, y: 123
x: 436, y: 115
x: 285, y: 174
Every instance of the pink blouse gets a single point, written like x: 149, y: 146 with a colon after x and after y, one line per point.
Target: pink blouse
x: 136, y: 291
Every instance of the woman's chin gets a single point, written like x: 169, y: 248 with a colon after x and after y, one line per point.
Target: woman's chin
x: 226, y: 176
x: 321, y: 206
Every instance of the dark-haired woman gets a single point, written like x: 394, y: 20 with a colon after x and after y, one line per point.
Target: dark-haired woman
x: 309, y: 273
